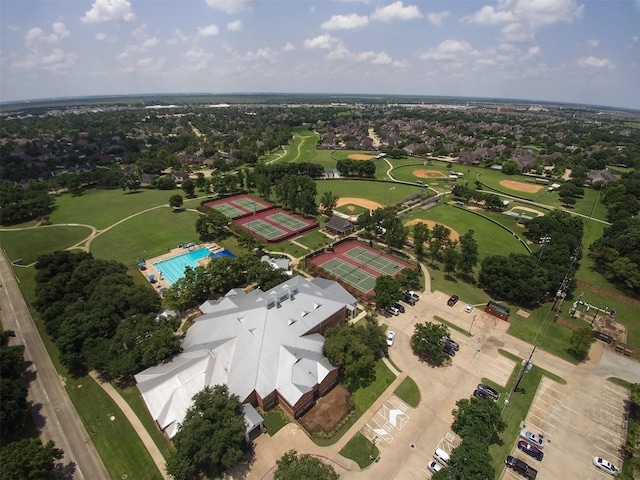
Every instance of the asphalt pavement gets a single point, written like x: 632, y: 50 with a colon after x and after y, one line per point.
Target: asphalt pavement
x: 55, y: 415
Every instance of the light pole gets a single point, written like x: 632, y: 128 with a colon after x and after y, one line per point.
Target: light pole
x: 386, y: 196
x: 472, y: 320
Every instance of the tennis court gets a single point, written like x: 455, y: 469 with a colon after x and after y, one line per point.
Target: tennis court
x: 264, y: 229
x: 287, y: 221
x: 375, y: 260
x: 354, y: 276
x: 228, y: 210
x: 250, y: 204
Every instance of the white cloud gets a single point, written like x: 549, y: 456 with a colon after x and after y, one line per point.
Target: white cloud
x: 197, y: 59
x: 55, y: 61
x: 523, y: 18
x: 261, y: 54
x: 593, y: 42
x: 634, y: 41
x: 234, y: 26
x: 436, y: 18
x: 396, y: 11
x: 340, y: 52
x: 447, y: 50
x: 324, y: 41
x: 230, y: 6
x: 178, y: 36
x: 36, y: 35
x: 595, y: 62
x: 208, y: 31
x: 288, y: 47
x: 100, y: 36
x: 109, y: 11
x: 381, y: 59
x: 345, y: 22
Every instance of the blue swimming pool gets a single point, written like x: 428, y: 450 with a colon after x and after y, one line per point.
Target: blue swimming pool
x: 173, y: 269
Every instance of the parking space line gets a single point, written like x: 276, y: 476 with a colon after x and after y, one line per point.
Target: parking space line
x: 605, y: 440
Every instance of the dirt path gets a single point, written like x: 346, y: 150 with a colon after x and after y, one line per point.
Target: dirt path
x: 521, y: 186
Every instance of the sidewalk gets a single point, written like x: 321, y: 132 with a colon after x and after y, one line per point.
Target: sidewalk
x: 148, y: 442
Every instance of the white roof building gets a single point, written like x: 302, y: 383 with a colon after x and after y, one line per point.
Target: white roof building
x: 265, y: 346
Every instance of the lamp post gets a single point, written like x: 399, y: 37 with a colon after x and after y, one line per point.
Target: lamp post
x: 472, y: 320
x: 386, y: 196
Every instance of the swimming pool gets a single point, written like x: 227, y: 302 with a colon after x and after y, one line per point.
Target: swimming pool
x: 172, y: 269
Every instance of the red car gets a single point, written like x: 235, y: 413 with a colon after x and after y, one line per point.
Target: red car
x: 530, y: 450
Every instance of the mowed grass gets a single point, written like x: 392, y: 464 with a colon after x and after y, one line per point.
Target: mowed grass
x: 360, y: 450
x: 408, y: 392
x: 30, y: 244
x: 491, y: 238
x: 145, y: 235
x: 384, y: 193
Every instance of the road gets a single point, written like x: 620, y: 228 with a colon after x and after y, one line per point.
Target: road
x: 54, y: 413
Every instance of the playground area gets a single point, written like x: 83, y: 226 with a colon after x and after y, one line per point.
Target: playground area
x: 358, y: 266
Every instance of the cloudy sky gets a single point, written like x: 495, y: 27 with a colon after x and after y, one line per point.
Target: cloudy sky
x: 556, y: 50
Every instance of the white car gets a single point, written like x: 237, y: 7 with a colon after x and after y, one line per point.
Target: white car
x: 532, y: 438
x: 468, y: 308
x: 391, y: 336
x: 605, y: 466
x: 434, y: 466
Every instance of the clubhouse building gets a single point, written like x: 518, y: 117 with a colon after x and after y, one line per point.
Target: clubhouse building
x: 265, y: 346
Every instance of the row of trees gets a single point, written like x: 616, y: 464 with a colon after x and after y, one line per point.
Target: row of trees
x: 24, y: 458
x: 464, y: 193
x: 20, y: 204
x: 356, y: 168
x: 98, y: 318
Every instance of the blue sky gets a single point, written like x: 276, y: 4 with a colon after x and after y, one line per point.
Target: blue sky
x: 547, y: 50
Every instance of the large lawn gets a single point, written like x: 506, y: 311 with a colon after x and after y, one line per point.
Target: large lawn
x: 29, y: 244
x: 385, y: 193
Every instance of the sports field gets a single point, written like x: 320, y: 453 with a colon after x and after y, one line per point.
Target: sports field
x: 239, y: 206
x: 355, y: 264
x: 275, y: 225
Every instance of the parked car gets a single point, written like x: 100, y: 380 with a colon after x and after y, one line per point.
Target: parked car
x: 452, y: 300
x: 482, y: 394
x: 414, y: 295
x: 530, y: 450
x: 605, y: 466
x: 492, y: 392
x: 451, y: 343
x: 532, y: 438
x: 408, y: 298
x: 521, y: 467
x: 434, y: 466
x: 391, y: 336
x: 410, y: 294
x: 468, y: 308
x: 399, y: 307
x: 393, y: 311
x: 449, y: 350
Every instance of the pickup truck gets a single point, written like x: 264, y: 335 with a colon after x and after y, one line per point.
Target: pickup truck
x: 521, y: 467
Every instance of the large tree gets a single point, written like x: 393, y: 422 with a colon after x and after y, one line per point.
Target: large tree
x: 469, y: 253
x: 477, y: 417
x: 426, y: 342
x: 211, y: 438
x: 471, y: 460
x: 212, y: 226
x: 515, y: 278
x: 14, y: 408
x: 387, y: 291
x: 292, y: 466
x: 29, y: 460
x: 329, y: 201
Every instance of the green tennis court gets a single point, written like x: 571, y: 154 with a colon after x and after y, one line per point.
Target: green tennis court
x: 249, y: 204
x: 264, y: 229
x: 229, y: 210
x: 287, y: 221
x: 374, y: 260
x: 354, y: 276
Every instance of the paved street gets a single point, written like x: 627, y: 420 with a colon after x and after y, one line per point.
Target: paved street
x: 56, y: 416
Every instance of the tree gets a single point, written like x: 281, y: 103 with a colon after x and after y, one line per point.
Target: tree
x: 292, y: 466
x: 450, y: 259
x: 387, y: 292
x: 580, y: 343
x: 421, y: 235
x: 469, y: 253
x: 189, y: 187
x: 471, y: 460
x: 210, y: 440
x: 28, y: 459
x: 426, y: 342
x: 176, y: 201
x: 510, y: 167
x: 477, y: 417
x: 14, y: 408
x: 346, y: 349
x: 329, y: 201
x: 515, y: 278
x: 212, y: 226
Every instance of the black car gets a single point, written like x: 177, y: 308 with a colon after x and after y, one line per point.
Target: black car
x: 481, y: 394
x: 449, y: 350
x: 491, y: 392
x: 399, y: 307
x: 521, y: 467
x: 530, y: 450
x: 452, y: 343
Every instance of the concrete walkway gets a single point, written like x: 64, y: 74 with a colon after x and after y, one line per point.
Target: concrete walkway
x: 148, y: 442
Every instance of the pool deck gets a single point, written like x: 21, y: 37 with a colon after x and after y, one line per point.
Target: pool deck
x: 161, y: 282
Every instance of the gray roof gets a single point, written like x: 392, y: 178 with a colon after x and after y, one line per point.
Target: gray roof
x: 276, y: 263
x: 248, y: 341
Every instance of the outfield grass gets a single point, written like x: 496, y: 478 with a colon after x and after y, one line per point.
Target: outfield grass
x: 30, y: 244
x: 385, y: 193
x: 362, y: 399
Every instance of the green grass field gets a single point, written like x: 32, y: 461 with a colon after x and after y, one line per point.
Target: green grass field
x: 29, y: 244
x: 385, y: 193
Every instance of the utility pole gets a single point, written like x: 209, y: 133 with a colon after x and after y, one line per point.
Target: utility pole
x: 524, y: 369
